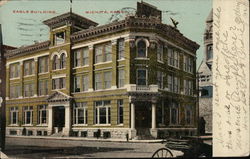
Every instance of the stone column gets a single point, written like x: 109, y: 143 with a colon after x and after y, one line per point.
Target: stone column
x: 67, y: 127
x: 132, y: 133
x: 153, y: 124
x: 91, y: 66
x: 50, y: 120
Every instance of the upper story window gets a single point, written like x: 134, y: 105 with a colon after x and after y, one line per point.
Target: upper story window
x: 105, y: 82
x: 77, y: 58
x: 15, y: 70
x: 160, y: 52
x: 85, y: 56
x: 29, y: 90
x: 121, y: 78
x: 55, y: 62
x: 141, y: 49
x: 59, y: 83
x: 15, y: 91
x: 188, y: 63
x: 43, y: 64
x: 188, y: 87
x: 59, y: 38
x: 63, y: 61
x: 29, y: 67
x: 121, y: 49
x: 173, y: 84
x: 142, y: 77
x: 173, y: 58
x: 103, y: 53
x: 160, y: 79
x: 43, y: 87
x: 209, y: 52
x: 77, y: 85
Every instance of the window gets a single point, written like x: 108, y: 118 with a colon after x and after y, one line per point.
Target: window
x: 160, y: 113
x: 59, y: 38
x: 14, y: 115
x: 107, y: 79
x: 142, y: 77
x: 173, y: 84
x: 15, y: 70
x: 42, y: 114
x: 120, y: 111
x: 58, y: 83
x: 121, y: 78
x: 176, y: 59
x: 98, y: 54
x: 188, y: 87
x: 141, y: 49
x: 80, y: 115
x: 188, y: 115
x: 43, y: 87
x: 27, y: 114
x: 160, y: 79
x: 160, y: 52
x: 15, y: 91
x: 188, y: 64
x: 55, y: 64
x: 43, y: 64
x: 29, y: 90
x: 174, y: 113
x: 77, y: 58
x: 102, y: 112
x: 29, y: 67
x: 121, y: 49
x: 85, y: 56
x: 171, y: 57
x: 209, y: 52
x: 63, y: 61
x: 77, y: 81
x: 85, y: 82
x: 107, y: 52
x: 98, y: 81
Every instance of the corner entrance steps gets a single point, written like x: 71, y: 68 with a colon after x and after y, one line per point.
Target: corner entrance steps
x: 144, y: 134
x: 59, y: 134
x: 3, y: 156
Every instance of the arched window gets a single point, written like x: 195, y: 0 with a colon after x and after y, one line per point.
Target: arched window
x: 141, y: 49
x: 63, y: 61
x: 55, y: 63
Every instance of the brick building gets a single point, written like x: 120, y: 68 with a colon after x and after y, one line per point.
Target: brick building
x: 135, y: 76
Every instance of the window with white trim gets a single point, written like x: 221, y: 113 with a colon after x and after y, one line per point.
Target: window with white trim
x: 43, y: 87
x: 85, y: 56
x: 121, y: 49
x: 98, y: 81
x: 77, y: 58
x: 28, y: 115
x: 29, y: 90
x: 141, y: 77
x: 107, y: 79
x: 29, y: 67
x: 103, y: 52
x: 15, y: 70
x: 80, y: 114
x: 42, y: 114
x: 58, y: 83
x: 141, y: 49
x: 160, y: 79
x: 63, y: 61
x: 55, y: 63
x: 174, y: 113
x: 120, y: 111
x: 15, y: 91
x: 121, y: 78
x: 43, y: 64
x: 107, y: 52
x: 85, y: 82
x: 14, y: 115
x: 102, y: 112
x: 77, y: 84
x: 160, y: 52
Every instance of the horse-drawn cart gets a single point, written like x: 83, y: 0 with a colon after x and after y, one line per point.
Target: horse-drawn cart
x: 190, y: 146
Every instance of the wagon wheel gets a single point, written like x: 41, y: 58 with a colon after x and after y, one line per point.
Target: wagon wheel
x: 162, y: 153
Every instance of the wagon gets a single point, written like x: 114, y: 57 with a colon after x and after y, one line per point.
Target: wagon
x: 190, y: 146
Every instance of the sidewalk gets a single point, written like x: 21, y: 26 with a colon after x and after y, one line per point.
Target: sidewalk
x: 88, y: 139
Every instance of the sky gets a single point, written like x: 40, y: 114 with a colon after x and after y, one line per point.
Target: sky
x: 25, y: 28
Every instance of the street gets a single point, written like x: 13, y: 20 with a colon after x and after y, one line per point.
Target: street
x: 52, y: 148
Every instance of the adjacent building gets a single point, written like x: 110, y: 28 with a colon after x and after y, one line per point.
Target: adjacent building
x: 205, y: 76
x: 132, y: 77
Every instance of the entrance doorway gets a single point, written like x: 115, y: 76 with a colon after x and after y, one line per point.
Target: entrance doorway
x: 59, y: 117
x: 143, y: 115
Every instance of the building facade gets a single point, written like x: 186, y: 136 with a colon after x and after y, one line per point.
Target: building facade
x: 205, y: 76
x: 132, y: 77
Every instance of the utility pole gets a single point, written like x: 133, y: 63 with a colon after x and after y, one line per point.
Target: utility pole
x: 2, y: 94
